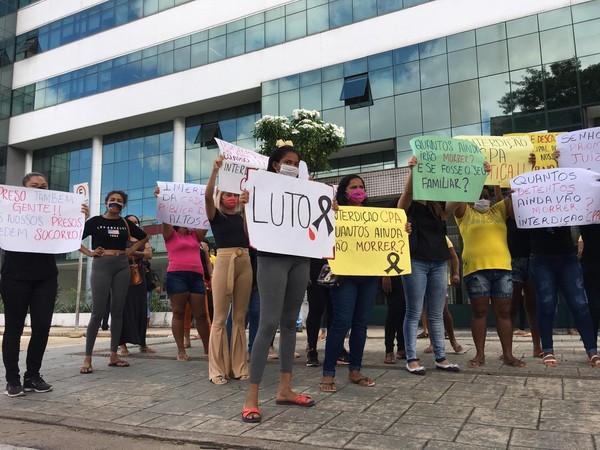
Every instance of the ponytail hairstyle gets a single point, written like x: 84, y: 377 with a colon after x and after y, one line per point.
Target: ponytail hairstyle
x: 282, y: 148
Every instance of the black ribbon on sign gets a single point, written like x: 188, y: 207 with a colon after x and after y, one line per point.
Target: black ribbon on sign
x: 393, y: 258
x: 325, y: 206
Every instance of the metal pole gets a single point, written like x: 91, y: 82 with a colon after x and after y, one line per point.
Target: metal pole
x: 77, y: 300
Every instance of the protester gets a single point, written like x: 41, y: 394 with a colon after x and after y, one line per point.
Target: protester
x: 396, y: 310
x: 135, y: 313
x: 231, y: 283
x: 428, y: 281
x: 110, y: 272
x: 487, y: 270
x: 282, y: 281
x: 319, y: 301
x: 29, y: 284
x: 590, y: 262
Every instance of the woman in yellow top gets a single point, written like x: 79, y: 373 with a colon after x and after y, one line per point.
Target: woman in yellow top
x: 487, y: 271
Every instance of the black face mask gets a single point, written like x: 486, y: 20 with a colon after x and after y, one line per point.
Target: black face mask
x: 115, y: 205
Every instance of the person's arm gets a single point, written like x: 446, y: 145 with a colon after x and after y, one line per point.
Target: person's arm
x: 209, y: 194
x: 139, y: 234
x: 98, y: 251
x: 580, y: 247
x: 407, y: 196
x: 147, y: 253
x: 457, y: 208
x: 454, y: 267
x: 386, y: 285
x: 209, y: 267
x: 166, y: 229
x: 200, y: 234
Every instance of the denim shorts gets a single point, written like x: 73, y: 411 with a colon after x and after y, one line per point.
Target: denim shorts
x: 180, y: 282
x: 520, y: 269
x: 489, y: 283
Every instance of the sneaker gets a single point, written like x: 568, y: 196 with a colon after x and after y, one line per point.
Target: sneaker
x: 36, y: 384
x: 312, y: 359
x: 14, y: 390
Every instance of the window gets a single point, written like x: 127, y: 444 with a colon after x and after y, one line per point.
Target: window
x: 207, y: 134
x: 356, y: 91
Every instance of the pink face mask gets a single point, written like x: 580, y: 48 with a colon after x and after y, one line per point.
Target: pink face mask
x: 357, y: 196
x: 230, y: 202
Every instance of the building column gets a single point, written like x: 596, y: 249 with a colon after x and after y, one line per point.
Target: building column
x: 28, y: 162
x: 95, y: 205
x: 179, y: 150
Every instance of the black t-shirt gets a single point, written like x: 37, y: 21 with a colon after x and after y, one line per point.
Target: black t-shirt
x: 552, y: 241
x: 229, y: 231
x: 428, y: 237
x: 111, y: 234
x: 591, y: 242
x: 518, y: 240
x: 29, y: 266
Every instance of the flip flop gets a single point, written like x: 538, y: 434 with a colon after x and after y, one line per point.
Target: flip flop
x: 595, y: 361
x: 363, y: 381
x: 549, y: 360
x: 119, y: 363
x: 328, y: 387
x: 300, y: 400
x: 86, y: 370
x: 247, y: 411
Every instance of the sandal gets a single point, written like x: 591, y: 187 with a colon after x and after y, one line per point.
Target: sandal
x: 183, y: 357
x: 247, y: 412
x: 390, y: 358
x: 328, y: 387
x: 595, y: 361
x: 422, y: 335
x: 219, y: 380
x: 362, y: 381
x: 549, y: 360
x: 85, y: 370
x: 300, y: 400
x: 118, y: 363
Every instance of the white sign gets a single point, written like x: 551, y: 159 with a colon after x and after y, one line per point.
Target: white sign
x: 237, y: 161
x: 182, y: 204
x: 556, y: 198
x: 39, y: 220
x: 580, y: 148
x: 290, y: 216
x: 83, y: 189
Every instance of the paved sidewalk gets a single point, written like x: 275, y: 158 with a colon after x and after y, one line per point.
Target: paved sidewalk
x: 494, y: 406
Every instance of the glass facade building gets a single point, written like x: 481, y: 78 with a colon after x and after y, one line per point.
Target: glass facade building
x: 8, y: 24
x: 65, y: 165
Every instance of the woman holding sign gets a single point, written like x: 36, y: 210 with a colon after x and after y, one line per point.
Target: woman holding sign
x: 29, y: 284
x: 231, y: 283
x: 110, y: 272
x: 429, y: 278
x: 282, y: 281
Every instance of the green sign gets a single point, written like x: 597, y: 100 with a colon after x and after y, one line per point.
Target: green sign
x: 447, y: 169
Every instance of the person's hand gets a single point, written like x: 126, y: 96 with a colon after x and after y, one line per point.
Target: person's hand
x: 156, y: 191
x: 487, y: 167
x: 218, y: 163
x: 129, y: 252
x: 386, y: 285
x: 408, y: 228
x: 556, y: 154
x: 412, y: 162
x: 334, y: 205
x: 455, y: 279
x: 244, y: 197
x: 85, y: 210
x: 532, y: 159
x: 98, y: 251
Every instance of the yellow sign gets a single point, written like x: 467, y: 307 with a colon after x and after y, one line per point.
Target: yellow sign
x: 544, y: 147
x: 508, y: 156
x: 370, y: 242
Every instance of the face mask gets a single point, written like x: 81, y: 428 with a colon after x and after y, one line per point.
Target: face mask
x: 482, y: 205
x: 290, y: 171
x: 230, y: 202
x: 357, y: 196
x: 117, y: 205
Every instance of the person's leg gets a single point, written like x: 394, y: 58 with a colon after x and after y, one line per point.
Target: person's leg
x: 570, y: 278
x: 253, y: 318
x: 178, y: 303
x: 41, y: 309
x: 415, y: 285
x: 106, y: 315
x: 16, y: 297
x: 516, y: 301
x: 241, y: 297
x: 398, y: 292
x: 530, y: 310
x: 317, y: 302
x: 187, y: 326
x: 198, y: 307
x: 546, y: 287
x: 424, y: 323
x: 365, y: 298
x: 449, y: 327
x: 478, y: 288
x: 501, y: 293
x: 591, y: 278
x: 118, y: 294
x: 435, y: 298
x: 390, y: 323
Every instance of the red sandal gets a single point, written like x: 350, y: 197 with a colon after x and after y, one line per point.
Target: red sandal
x: 300, y: 400
x: 247, y: 411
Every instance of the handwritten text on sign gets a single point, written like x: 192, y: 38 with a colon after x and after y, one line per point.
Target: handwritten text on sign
x: 290, y: 216
x: 182, y: 204
x: 40, y: 221
x: 371, y: 242
x: 237, y: 161
x: 508, y: 156
x: 447, y: 169
x: 580, y: 149
x: 556, y: 198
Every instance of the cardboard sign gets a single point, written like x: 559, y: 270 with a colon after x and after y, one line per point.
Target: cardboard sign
x: 39, y: 220
x: 447, y: 169
x: 290, y: 216
x: 508, y: 156
x: 544, y: 147
x: 182, y: 204
x: 84, y: 190
x: 556, y: 198
x: 370, y: 242
x: 237, y: 161
x: 580, y: 149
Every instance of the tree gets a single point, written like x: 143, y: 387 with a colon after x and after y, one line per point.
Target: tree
x: 314, y: 139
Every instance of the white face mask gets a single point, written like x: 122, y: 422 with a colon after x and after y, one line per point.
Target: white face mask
x: 290, y: 171
x: 482, y: 205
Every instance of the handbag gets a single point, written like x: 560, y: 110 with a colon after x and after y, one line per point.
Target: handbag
x: 135, y: 274
x: 327, y: 278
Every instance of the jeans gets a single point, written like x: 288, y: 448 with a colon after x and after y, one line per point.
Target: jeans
x: 428, y: 283
x: 19, y: 296
x: 394, y: 320
x: 252, y: 317
x: 553, y: 273
x: 351, y: 304
x: 591, y: 278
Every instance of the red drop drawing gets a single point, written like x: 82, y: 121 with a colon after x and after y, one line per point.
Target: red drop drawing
x: 311, y: 234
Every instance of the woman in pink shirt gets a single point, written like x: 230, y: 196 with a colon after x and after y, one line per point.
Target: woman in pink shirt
x: 185, y: 282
